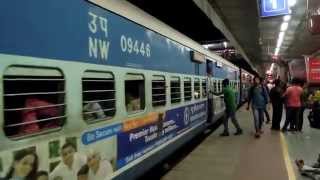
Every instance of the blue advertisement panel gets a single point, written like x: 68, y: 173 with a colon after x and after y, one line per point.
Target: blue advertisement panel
x: 273, y: 7
x: 76, y: 30
x: 133, y: 142
x: 224, y: 71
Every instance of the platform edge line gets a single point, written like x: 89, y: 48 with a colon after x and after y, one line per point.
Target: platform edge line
x: 287, y: 160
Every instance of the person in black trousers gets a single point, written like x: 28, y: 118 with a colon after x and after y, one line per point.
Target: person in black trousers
x: 265, y: 110
x: 304, y: 101
x: 277, y: 104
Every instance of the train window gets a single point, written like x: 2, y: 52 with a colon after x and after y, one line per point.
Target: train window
x: 98, y: 96
x: 134, y: 93
x: 187, y: 89
x: 204, y: 88
x: 34, y: 101
x: 175, y: 90
x: 196, y: 88
x: 158, y: 91
x: 220, y: 86
x: 215, y: 86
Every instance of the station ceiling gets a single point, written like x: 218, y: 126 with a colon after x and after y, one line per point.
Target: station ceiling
x: 256, y: 36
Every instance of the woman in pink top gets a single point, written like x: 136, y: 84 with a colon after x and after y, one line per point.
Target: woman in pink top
x: 293, y: 105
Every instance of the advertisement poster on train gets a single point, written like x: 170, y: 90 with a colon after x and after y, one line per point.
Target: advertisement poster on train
x: 141, y: 135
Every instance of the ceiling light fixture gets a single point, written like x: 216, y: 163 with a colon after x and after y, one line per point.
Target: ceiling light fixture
x: 225, y: 44
x: 284, y: 26
x: 292, y: 3
x: 281, y: 35
x: 276, y: 53
x: 279, y: 44
x: 286, y: 18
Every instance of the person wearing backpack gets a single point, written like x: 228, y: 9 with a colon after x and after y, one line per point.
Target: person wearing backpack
x: 257, y: 98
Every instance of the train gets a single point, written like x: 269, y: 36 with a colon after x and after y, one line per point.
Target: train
x: 87, y: 84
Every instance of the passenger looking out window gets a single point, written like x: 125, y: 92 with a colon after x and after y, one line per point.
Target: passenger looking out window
x: 37, y: 116
x: 33, y: 103
x: 98, y: 96
x: 95, y: 109
x: 196, y: 89
x: 132, y: 102
x: 134, y: 93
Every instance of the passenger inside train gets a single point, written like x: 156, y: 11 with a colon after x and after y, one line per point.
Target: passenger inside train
x: 134, y: 91
x: 37, y: 115
x: 95, y: 109
x: 33, y: 108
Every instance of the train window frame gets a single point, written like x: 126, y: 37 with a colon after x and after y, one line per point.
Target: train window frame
x: 204, y: 90
x: 218, y: 86
x: 196, y: 89
x: 54, y: 78
x: 179, y: 99
x: 104, y: 77
x: 158, y: 79
x: 190, y: 92
x: 141, y: 92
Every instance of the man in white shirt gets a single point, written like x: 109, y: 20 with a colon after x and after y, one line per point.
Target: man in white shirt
x: 98, y: 168
x: 70, y: 165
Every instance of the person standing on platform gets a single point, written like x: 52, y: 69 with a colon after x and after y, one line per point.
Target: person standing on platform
x: 304, y: 102
x: 257, y: 98
x: 267, y: 101
x: 277, y: 104
x: 293, y: 104
x: 231, y: 107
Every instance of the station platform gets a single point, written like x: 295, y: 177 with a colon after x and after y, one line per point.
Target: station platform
x: 247, y: 158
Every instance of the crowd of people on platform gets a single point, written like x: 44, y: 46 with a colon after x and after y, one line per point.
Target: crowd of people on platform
x: 295, y: 97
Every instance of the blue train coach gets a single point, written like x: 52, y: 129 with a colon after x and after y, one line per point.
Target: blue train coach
x: 89, y: 84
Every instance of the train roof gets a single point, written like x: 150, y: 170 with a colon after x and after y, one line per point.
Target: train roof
x: 135, y: 14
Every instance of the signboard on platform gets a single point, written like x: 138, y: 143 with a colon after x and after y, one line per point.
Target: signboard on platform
x: 273, y: 8
x: 314, y: 70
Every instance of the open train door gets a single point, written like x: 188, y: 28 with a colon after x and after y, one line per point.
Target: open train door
x: 210, y: 107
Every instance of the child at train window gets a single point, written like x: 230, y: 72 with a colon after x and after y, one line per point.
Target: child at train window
x: 37, y: 110
x: 132, y: 103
